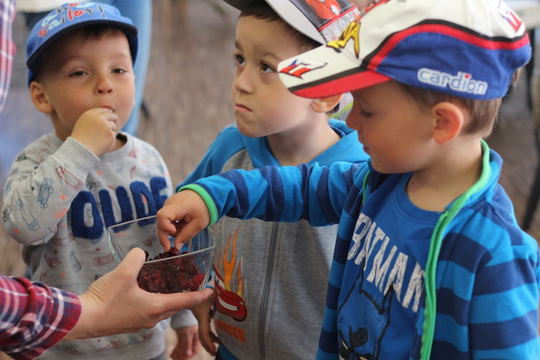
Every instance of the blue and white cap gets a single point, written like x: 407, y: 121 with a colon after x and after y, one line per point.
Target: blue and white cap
x: 70, y: 16
x: 466, y: 48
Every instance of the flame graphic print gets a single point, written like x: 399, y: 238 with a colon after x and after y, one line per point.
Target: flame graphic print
x: 229, y: 300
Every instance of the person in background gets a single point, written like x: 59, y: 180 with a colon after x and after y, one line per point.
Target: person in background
x: 138, y: 11
x: 268, y: 276
x: 429, y: 261
x: 68, y: 186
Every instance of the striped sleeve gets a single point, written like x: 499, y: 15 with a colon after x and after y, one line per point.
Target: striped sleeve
x: 34, y: 317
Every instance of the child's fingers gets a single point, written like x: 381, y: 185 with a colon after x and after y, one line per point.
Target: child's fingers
x: 208, y: 340
x: 163, y: 236
x: 167, y: 224
x: 187, y: 230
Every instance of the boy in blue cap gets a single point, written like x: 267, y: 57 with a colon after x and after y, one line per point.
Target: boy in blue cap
x: 429, y: 260
x: 67, y: 187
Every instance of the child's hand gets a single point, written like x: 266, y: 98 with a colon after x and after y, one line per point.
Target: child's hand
x: 203, y: 313
x: 183, y: 216
x: 96, y: 129
x: 188, y: 344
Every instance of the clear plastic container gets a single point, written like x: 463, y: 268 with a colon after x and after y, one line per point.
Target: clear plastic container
x: 164, y: 272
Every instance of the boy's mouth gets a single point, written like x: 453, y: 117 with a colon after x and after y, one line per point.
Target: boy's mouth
x: 241, y: 107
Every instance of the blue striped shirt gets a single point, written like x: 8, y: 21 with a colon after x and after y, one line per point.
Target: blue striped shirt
x: 486, y: 278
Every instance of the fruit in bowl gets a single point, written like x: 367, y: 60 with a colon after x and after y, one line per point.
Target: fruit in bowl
x: 177, y: 270
x: 169, y: 273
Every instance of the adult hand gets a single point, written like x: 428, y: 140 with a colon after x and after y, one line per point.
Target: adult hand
x: 183, y: 216
x: 115, y: 303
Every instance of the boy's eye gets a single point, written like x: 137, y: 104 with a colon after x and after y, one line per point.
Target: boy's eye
x: 365, y: 113
x: 77, y: 73
x: 239, y: 60
x: 265, y: 68
x: 118, y: 71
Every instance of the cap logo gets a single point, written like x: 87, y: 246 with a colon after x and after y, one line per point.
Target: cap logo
x: 65, y: 14
x: 301, y: 66
x: 509, y: 16
x: 351, y: 32
x: 461, y: 82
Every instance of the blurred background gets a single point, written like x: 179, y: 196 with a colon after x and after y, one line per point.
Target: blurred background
x: 187, y: 102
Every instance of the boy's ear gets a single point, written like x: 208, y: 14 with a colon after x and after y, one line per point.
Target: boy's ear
x: 39, y: 98
x: 448, y: 121
x: 326, y: 104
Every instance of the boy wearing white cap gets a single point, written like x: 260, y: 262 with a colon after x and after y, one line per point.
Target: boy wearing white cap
x: 429, y: 260
x: 68, y: 186
x: 266, y: 302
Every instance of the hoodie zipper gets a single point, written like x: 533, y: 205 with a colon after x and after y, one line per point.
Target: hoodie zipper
x: 266, y: 290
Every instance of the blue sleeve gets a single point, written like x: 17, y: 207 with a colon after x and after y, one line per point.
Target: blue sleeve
x: 487, y: 289
x: 285, y: 194
x: 227, y: 143
x: 504, y: 308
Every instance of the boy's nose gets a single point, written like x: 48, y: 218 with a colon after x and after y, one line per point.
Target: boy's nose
x: 242, y: 82
x: 104, y: 86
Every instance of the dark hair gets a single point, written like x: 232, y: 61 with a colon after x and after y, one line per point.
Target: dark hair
x: 261, y: 10
x: 87, y: 32
x: 482, y: 112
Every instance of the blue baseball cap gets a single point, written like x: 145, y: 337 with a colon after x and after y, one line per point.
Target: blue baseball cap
x: 70, y: 16
x: 465, y: 48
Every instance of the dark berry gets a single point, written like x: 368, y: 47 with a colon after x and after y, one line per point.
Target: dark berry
x: 170, y: 276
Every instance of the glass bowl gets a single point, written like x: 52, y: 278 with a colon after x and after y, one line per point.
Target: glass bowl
x: 185, y: 269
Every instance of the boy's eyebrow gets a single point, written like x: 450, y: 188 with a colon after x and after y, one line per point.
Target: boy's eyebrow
x: 261, y: 52
x: 266, y: 54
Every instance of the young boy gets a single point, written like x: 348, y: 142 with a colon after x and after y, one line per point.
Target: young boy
x: 68, y: 186
x: 267, y: 304
x: 429, y: 260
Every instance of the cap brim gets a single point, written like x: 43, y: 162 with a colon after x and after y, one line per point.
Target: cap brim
x: 341, y: 84
x: 130, y: 30
x: 326, y: 71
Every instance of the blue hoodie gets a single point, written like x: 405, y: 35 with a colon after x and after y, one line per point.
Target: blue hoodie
x: 270, y: 278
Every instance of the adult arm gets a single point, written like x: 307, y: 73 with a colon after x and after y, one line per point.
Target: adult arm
x: 34, y: 316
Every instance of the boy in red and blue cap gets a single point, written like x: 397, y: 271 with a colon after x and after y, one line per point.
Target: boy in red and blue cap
x: 429, y: 260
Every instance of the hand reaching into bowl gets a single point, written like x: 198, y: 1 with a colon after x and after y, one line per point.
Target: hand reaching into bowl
x: 182, y: 216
